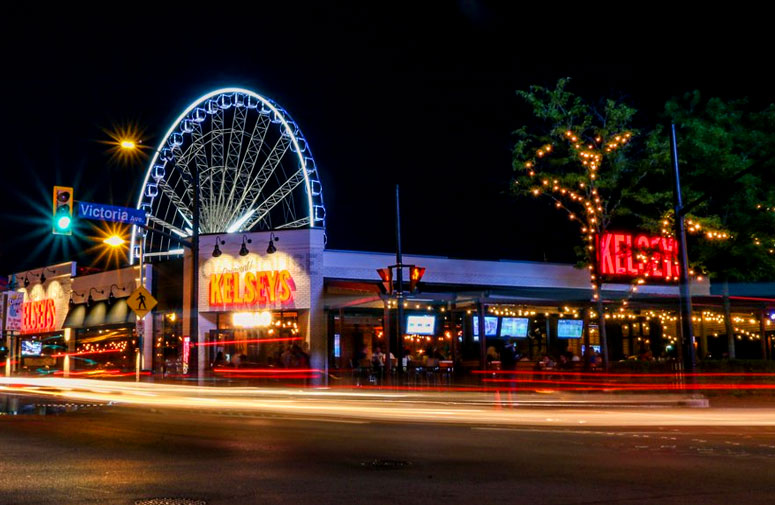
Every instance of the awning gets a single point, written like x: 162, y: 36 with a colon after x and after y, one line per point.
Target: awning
x: 99, y: 314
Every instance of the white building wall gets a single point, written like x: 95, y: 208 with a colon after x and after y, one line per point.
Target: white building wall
x: 356, y: 265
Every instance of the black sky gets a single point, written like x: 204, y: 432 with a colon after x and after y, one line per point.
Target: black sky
x: 419, y: 96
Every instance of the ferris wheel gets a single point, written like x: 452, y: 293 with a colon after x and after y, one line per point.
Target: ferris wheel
x: 255, y: 170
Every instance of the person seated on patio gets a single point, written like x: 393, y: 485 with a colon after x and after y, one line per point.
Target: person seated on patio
x: 378, y: 359
x: 438, y: 353
x: 565, y: 363
x: 406, y: 357
x: 492, y: 354
x: 546, y: 363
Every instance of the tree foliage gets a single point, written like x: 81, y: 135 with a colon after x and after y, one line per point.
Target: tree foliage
x: 732, y: 230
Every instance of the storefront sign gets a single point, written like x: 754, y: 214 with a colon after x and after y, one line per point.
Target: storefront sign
x: 624, y: 254
x: 259, y: 289
x: 38, y: 316
x: 251, y: 319
x: 186, y: 353
x: 13, y: 311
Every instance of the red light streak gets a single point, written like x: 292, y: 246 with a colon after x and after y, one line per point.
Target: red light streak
x: 248, y: 341
x: 268, y: 370
x: 275, y: 376
x: 603, y: 374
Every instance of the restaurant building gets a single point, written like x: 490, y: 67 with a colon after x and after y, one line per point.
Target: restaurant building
x: 298, y: 304
x: 66, y: 320
x: 334, y: 306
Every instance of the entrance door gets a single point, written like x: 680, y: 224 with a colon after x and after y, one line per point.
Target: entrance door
x: 217, y: 353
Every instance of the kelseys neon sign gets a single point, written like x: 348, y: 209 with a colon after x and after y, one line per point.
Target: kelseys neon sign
x: 629, y: 255
x: 39, y: 316
x: 252, y: 288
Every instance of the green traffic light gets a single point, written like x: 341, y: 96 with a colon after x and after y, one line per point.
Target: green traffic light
x: 63, y: 223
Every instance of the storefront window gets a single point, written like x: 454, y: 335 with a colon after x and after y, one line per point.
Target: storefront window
x: 277, y: 345
x: 105, y: 349
x: 41, y: 353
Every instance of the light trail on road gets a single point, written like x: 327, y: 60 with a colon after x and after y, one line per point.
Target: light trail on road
x: 402, y: 406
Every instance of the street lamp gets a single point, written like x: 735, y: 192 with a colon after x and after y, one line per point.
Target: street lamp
x: 243, y: 251
x: 217, y: 250
x: 114, y: 241
x: 271, y: 249
x: 72, y: 302
x: 111, y: 296
x: 90, y: 300
x: 126, y: 144
x: 43, y: 274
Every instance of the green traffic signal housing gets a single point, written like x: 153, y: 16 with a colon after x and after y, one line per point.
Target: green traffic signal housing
x: 63, y: 210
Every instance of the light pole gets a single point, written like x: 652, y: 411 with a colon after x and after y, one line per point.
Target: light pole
x: 132, y: 145
x: 400, y: 279
x: 688, y: 353
x: 116, y: 241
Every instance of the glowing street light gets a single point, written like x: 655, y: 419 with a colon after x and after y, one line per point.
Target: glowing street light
x: 114, y: 241
x: 126, y: 144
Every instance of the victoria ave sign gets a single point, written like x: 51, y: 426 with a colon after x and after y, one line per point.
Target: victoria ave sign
x: 102, y: 212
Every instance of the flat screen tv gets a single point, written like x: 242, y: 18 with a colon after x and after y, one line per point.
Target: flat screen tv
x: 420, y: 325
x: 31, y: 348
x: 570, y: 328
x: 514, y: 327
x: 490, y: 326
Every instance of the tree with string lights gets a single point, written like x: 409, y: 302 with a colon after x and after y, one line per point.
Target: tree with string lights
x: 587, y: 160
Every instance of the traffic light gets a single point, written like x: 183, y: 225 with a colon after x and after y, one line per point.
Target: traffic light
x: 415, y: 275
x: 63, y: 211
x: 386, y: 274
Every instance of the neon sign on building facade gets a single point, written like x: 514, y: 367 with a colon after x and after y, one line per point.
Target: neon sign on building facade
x: 251, y: 289
x: 624, y: 254
x: 38, y: 316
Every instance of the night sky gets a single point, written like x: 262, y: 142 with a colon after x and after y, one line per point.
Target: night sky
x: 424, y: 98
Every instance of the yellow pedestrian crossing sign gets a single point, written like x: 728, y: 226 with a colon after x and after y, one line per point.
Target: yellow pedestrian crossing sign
x: 141, y: 301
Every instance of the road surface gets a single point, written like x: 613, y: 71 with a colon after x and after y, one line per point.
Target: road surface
x: 121, y: 454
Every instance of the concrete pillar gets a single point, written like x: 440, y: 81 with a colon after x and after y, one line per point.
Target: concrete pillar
x: 763, y: 333
x: 317, y: 332
x: 70, y: 346
x: 148, y: 338
x: 703, y: 337
x: 482, y: 337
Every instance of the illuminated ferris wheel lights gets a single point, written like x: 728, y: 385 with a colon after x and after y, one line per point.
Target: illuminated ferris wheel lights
x: 254, y: 167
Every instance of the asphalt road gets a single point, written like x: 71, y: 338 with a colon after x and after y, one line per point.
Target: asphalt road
x: 117, y: 455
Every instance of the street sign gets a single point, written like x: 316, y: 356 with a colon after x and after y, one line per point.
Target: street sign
x: 102, y: 212
x: 140, y: 326
x: 141, y: 301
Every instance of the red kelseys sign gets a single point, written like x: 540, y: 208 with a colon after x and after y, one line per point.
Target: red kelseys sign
x: 626, y: 255
x: 251, y: 288
x: 38, y: 316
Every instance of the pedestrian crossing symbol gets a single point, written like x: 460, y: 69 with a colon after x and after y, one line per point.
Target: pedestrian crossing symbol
x: 141, y: 301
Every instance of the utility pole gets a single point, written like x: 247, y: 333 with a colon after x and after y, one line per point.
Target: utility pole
x: 194, y: 324
x: 400, y: 280
x: 686, y: 328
